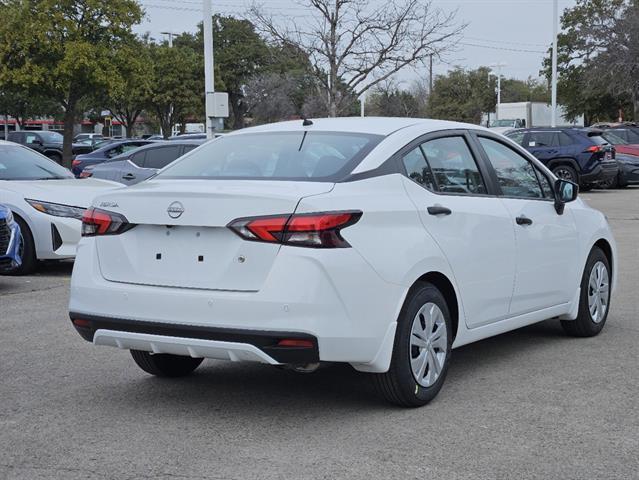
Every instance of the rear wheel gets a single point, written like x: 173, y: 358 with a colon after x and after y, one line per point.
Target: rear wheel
x: 164, y: 364
x: 594, y: 301
x: 566, y: 172
x: 27, y: 251
x: 421, y: 351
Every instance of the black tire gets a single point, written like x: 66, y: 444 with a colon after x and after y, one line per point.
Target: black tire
x: 585, y: 325
x: 164, y: 364
x: 399, y: 385
x: 566, y: 172
x: 28, y: 254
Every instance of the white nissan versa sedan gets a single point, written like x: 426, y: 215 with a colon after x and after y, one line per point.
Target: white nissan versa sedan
x: 47, y: 202
x: 378, y: 242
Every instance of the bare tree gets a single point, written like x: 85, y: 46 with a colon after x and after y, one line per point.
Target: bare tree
x: 354, y: 46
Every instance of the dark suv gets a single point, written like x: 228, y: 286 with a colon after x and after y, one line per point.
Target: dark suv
x: 580, y: 155
x: 47, y: 142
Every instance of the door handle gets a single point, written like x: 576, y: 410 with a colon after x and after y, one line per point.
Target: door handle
x: 128, y: 176
x: 523, y: 220
x: 439, y: 210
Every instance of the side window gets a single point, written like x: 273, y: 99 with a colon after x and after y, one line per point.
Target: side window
x: 161, y: 157
x: 138, y: 158
x: 30, y: 138
x: 517, y: 137
x: 565, y: 140
x: 417, y: 168
x: 515, y: 174
x: 541, y: 139
x: 128, y: 147
x: 453, y: 166
x: 113, y: 152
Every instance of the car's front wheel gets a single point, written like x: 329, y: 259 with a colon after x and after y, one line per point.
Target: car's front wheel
x: 164, y: 364
x: 421, y: 352
x: 594, y: 301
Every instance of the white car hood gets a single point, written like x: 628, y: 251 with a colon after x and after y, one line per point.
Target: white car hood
x: 72, y: 191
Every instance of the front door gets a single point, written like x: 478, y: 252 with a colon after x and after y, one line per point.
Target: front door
x: 547, y: 273
x: 472, y: 227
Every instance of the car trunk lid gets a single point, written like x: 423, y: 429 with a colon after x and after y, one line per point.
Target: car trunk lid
x: 181, y: 239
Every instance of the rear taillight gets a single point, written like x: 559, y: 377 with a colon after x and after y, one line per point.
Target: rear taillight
x: 102, y: 222
x: 75, y: 163
x: 86, y: 174
x: 318, y: 230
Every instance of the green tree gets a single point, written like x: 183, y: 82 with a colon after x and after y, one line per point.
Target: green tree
x: 64, y: 49
x: 131, y: 88
x: 177, y: 85
x: 530, y: 90
x: 463, y: 95
x: 598, y: 49
x: 23, y: 104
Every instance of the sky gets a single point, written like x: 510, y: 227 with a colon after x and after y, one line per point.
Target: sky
x: 514, y: 32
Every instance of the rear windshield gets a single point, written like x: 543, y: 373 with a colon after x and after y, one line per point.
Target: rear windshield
x: 307, y: 156
x: 597, y: 139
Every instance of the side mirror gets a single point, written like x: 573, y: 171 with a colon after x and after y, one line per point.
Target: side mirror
x: 565, y: 192
x: 36, y: 141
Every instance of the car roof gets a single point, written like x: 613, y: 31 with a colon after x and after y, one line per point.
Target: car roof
x: 366, y: 125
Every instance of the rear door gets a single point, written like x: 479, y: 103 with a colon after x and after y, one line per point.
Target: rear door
x: 471, y: 225
x: 129, y: 172
x: 546, y: 241
x: 543, y: 144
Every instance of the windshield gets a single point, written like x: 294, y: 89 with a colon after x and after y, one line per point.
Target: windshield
x: 612, y: 138
x: 51, y: 137
x: 19, y: 163
x: 309, y: 156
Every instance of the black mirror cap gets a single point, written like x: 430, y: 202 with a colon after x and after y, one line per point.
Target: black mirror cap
x: 565, y: 192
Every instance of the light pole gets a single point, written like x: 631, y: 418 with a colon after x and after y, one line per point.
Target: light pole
x: 209, y: 83
x: 498, y: 66
x: 555, y: 21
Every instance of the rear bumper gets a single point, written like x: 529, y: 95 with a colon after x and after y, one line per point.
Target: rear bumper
x: 196, y: 341
x: 602, y: 172
x: 334, y: 298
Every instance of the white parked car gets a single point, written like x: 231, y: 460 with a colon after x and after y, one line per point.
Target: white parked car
x: 378, y: 242
x: 47, y: 202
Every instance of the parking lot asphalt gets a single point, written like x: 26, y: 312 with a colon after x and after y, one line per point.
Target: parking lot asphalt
x: 533, y: 403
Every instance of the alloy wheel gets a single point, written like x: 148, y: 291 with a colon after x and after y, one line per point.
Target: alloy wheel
x: 428, y: 344
x: 598, y: 292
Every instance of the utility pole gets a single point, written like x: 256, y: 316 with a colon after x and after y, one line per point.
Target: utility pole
x: 362, y: 102
x: 209, y: 80
x: 498, y: 66
x: 555, y: 22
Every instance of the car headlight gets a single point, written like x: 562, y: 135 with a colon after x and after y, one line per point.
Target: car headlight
x: 56, y: 209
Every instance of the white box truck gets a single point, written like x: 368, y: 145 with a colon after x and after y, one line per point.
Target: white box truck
x: 531, y: 114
